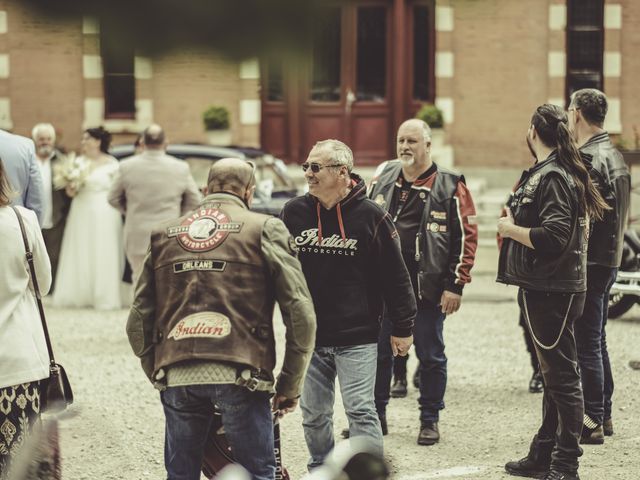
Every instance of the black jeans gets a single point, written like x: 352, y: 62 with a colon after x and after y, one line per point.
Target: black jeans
x: 551, y: 318
x: 528, y: 341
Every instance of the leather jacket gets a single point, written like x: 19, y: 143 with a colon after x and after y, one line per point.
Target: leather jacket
x: 612, y: 178
x: 546, y: 201
x: 447, y: 236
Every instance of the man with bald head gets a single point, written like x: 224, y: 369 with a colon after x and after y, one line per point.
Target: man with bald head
x: 434, y: 214
x: 150, y: 188
x: 201, y: 323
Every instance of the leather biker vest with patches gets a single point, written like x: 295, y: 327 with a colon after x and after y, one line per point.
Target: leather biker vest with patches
x: 214, y: 295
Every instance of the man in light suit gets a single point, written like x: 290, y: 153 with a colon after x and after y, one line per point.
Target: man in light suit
x: 150, y: 188
x: 55, y: 203
x: 18, y: 155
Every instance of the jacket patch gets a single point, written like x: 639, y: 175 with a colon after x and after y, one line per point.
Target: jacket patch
x: 380, y: 200
x: 199, y: 265
x: 204, y: 230
x: 532, y: 183
x: 439, y: 215
x: 436, y: 227
x: 201, y: 325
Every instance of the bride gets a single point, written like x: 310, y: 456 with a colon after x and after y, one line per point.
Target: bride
x: 91, y: 258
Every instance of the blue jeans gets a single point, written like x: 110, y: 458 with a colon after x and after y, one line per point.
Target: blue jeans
x: 247, y: 421
x: 591, y: 342
x: 353, y: 366
x: 429, y: 345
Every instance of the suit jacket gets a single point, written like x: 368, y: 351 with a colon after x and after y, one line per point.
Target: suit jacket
x: 150, y: 189
x: 19, y: 159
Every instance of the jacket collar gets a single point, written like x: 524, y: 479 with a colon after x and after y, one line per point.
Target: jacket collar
x: 598, y: 138
x: 224, y: 197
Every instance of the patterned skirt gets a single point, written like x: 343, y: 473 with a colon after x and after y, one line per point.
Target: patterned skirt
x: 19, y: 417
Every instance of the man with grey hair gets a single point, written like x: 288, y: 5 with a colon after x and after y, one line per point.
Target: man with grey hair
x: 55, y: 202
x: 150, y: 188
x: 351, y: 259
x: 434, y: 213
x: 610, y: 174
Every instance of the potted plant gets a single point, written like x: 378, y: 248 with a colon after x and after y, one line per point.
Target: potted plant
x: 216, y: 123
x: 433, y: 116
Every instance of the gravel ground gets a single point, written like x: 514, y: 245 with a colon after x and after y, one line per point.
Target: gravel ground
x: 115, y: 428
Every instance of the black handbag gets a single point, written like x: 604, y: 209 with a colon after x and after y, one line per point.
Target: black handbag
x: 55, y: 391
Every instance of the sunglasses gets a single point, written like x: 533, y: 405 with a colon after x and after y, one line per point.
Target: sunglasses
x: 316, y: 167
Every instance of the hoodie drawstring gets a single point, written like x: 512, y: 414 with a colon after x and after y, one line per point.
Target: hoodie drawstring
x: 319, y: 225
x: 340, y: 223
x: 344, y: 237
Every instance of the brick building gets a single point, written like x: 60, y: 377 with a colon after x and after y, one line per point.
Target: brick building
x: 485, y: 63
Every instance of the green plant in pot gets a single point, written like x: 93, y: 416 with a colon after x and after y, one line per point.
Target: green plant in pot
x: 216, y: 123
x: 433, y: 116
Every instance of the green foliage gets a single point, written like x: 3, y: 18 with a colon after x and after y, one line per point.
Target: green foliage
x: 216, y: 118
x: 432, y: 115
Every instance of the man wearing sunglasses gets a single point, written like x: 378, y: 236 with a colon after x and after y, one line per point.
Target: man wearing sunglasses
x: 351, y: 259
x: 201, y: 323
x: 435, y: 217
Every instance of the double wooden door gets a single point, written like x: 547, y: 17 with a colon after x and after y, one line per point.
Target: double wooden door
x: 352, y: 86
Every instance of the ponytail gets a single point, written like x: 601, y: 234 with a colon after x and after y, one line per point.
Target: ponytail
x: 569, y: 157
x: 550, y: 122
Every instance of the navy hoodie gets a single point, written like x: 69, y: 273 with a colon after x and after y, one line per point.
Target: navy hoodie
x: 351, y: 259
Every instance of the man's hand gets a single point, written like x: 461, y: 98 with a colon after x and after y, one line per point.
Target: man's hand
x: 450, y: 302
x: 400, y: 345
x: 283, y: 405
x: 505, y: 224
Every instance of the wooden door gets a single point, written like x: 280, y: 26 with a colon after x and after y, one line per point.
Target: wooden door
x: 342, y: 90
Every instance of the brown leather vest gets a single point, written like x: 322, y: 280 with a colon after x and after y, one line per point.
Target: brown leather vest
x: 214, y: 295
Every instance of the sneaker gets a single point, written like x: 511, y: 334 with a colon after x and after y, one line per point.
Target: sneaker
x: 592, y: 436
x: 535, y: 384
x: 429, y: 433
x: 607, y: 427
x: 555, y: 475
x: 399, y: 387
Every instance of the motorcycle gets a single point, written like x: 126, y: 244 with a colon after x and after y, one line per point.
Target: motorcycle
x: 625, y: 292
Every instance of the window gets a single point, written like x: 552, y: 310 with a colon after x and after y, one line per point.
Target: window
x: 275, y: 80
x: 326, y: 71
x: 118, y: 74
x: 372, y: 54
x: 423, y: 53
x: 585, y: 45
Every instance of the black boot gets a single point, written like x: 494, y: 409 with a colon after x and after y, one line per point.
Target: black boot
x: 416, y: 377
x: 399, y: 387
x: 536, y: 464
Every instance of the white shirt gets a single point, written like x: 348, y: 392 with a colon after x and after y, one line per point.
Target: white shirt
x: 23, y: 351
x: 47, y: 198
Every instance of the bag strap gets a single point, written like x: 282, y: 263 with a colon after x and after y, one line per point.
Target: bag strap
x: 34, y: 279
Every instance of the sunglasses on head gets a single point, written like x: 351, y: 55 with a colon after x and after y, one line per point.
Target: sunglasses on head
x: 316, y: 167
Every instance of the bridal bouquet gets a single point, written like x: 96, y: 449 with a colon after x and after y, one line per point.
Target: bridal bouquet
x: 70, y: 173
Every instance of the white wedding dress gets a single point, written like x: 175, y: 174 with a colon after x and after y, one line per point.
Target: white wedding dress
x: 92, y: 257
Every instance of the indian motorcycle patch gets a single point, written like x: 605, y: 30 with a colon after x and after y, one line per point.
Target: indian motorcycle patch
x: 204, y: 230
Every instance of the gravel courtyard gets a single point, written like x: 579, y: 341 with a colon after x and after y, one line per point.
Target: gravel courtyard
x: 115, y: 428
